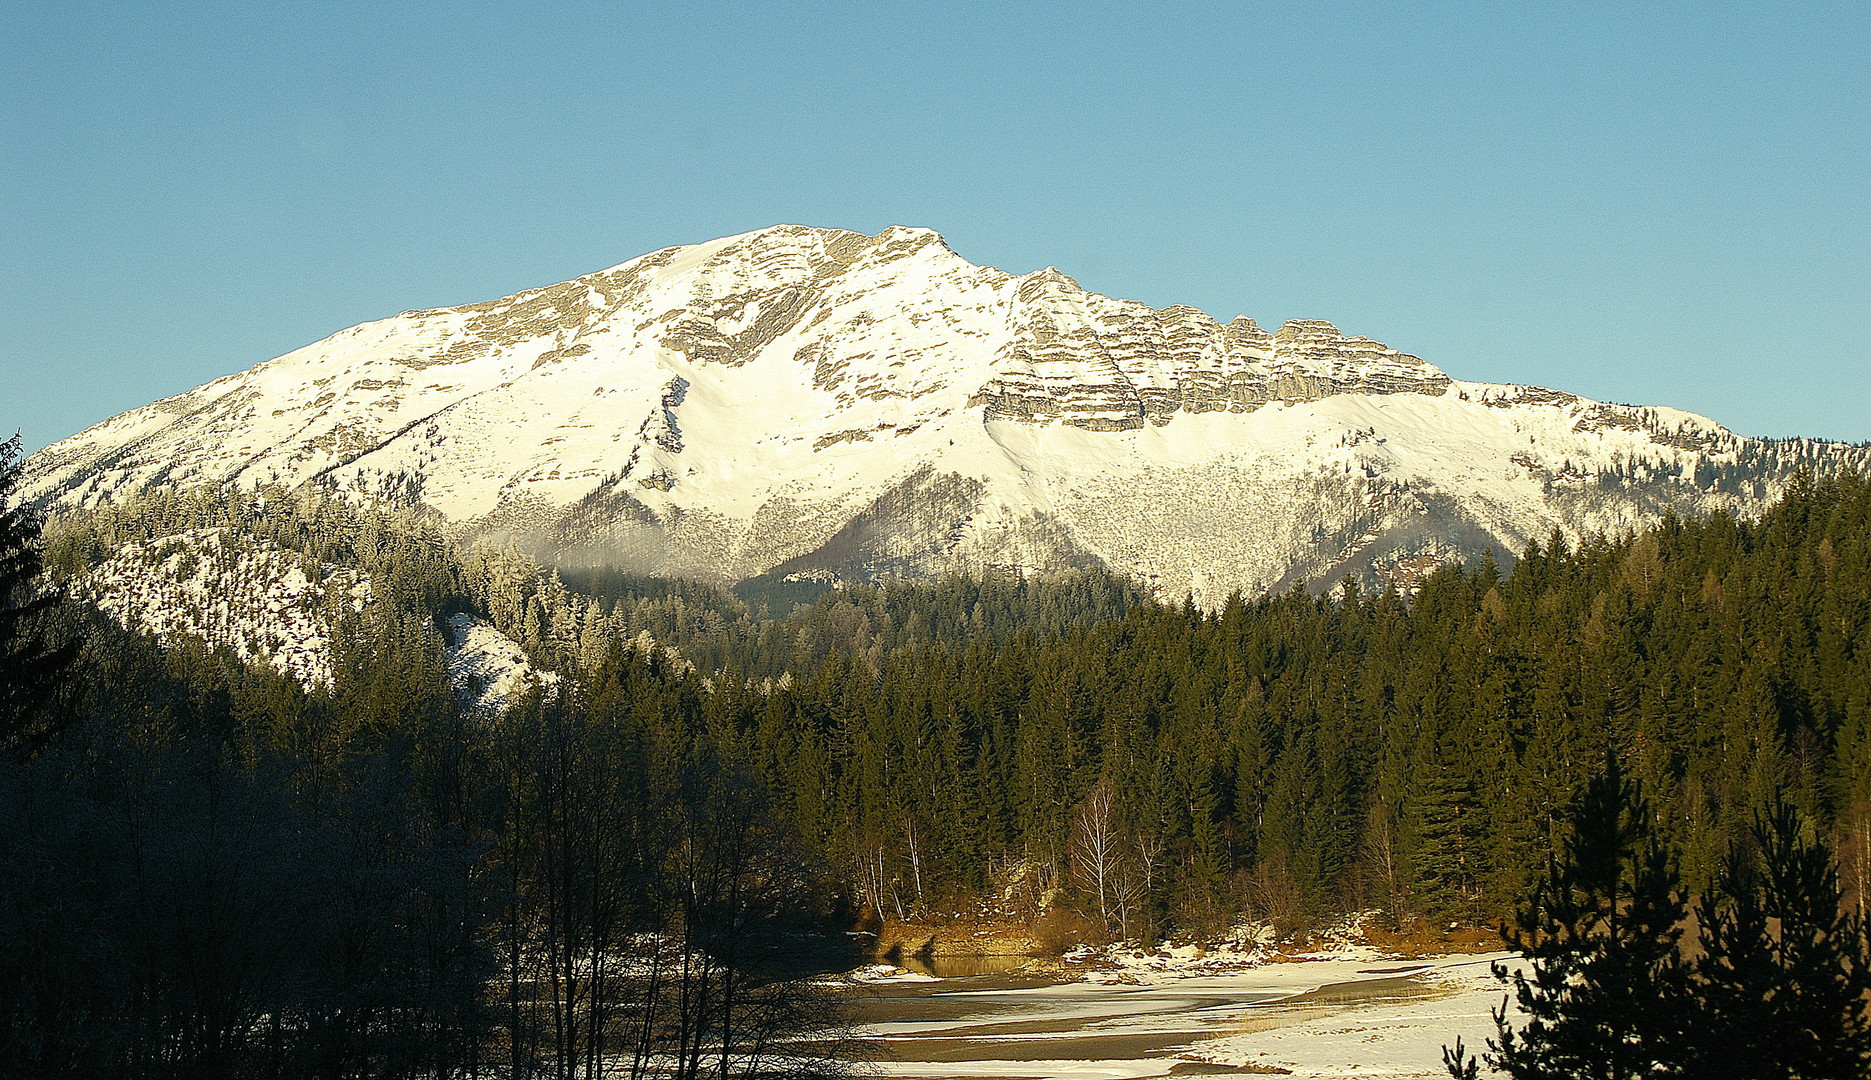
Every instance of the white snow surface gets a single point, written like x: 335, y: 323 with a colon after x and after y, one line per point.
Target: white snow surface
x: 886, y: 973
x: 799, y: 398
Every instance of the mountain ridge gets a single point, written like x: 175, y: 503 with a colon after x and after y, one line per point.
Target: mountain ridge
x: 813, y: 401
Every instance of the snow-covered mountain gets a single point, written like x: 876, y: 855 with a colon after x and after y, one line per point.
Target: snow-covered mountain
x: 801, y: 401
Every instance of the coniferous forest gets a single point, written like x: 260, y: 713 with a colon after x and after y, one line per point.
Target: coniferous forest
x: 210, y: 869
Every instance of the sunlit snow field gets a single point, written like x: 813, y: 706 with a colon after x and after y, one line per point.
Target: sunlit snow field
x: 1348, y: 1013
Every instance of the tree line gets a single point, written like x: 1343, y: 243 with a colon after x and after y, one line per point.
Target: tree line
x: 1283, y: 758
x: 1300, y: 755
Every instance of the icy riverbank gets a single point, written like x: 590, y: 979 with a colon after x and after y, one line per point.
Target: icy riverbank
x: 1350, y: 1012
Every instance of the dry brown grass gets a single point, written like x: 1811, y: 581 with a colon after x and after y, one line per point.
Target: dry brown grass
x: 1060, y: 929
x: 1416, y: 939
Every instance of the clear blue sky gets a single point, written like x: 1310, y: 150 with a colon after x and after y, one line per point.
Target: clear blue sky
x: 1664, y: 204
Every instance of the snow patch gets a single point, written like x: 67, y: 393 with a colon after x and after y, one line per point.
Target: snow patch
x: 886, y: 973
x: 487, y: 668
x: 1353, y: 1013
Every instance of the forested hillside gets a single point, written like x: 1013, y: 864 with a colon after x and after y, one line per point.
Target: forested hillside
x: 1294, y: 756
x: 880, y: 751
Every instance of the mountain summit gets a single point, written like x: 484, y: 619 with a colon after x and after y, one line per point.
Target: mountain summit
x: 815, y: 402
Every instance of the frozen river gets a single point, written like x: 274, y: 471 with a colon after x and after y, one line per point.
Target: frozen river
x: 1337, y: 1015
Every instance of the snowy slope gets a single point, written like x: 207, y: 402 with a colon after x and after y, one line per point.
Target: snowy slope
x: 487, y: 668
x: 269, y: 606
x: 800, y: 399
x: 278, y: 608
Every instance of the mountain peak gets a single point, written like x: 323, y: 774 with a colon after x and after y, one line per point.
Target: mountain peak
x: 797, y: 399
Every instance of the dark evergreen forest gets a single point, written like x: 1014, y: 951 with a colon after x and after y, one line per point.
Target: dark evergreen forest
x: 209, y: 870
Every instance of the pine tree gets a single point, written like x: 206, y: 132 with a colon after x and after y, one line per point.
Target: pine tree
x: 32, y: 668
x: 1606, y: 995
x: 1784, y: 976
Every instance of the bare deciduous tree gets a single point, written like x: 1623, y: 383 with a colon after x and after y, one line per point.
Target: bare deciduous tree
x: 1102, y: 855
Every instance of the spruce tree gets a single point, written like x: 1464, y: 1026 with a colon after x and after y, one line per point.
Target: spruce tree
x: 32, y: 668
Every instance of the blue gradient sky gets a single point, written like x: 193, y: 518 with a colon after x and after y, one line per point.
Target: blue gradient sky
x: 1665, y: 204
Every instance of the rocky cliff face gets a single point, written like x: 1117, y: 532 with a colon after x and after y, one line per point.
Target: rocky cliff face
x: 801, y: 400
x: 1114, y: 365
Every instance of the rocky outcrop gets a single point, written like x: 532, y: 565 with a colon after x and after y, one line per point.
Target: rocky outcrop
x: 1115, y: 365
